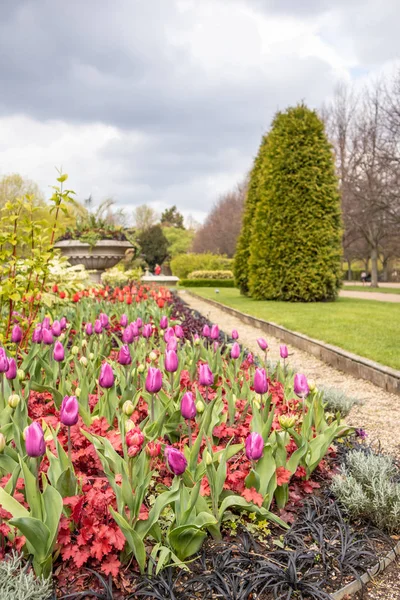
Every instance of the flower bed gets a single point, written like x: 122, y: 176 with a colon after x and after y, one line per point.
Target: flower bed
x: 134, y: 434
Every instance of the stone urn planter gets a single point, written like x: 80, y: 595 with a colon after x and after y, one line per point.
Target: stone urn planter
x: 103, y: 255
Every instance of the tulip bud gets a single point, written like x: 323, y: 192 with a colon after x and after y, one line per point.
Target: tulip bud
x: 176, y: 461
x: 262, y: 343
x: 128, y: 335
x: 124, y: 356
x: 139, y: 322
x: 179, y: 331
x: 21, y: 374
x: 47, y: 337
x: 58, y: 352
x: 172, y: 344
x: 235, y: 335
x: 13, y: 400
x: 153, y: 449
x: 123, y: 320
x: 74, y: 350
x: 311, y: 385
x: 141, y: 368
x: 153, y: 380
x: 235, y: 351
x: 4, y: 364
x: 171, y: 361
x: 84, y: 343
x: 106, y: 378
x: 78, y: 392
x: 254, y: 446
x: 63, y: 322
x: 163, y: 322
x: 56, y: 328
x: 69, y: 412
x: 205, y: 375
x: 206, y: 331
x: 260, y: 382
x: 16, y: 334
x: 103, y: 318
x: 169, y: 333
x: 153, y: 356
x: 128, y: 408
x: 300, y: 385
x: 2, y: 442
x: 196, y: 340
x: 98, y: 328
x: 257, y: 404
x: 34, y: 440
x: 188, y: 406
x: 84, y: 361
x: 287, y: 421
x: 214, y: 333
x: 91, y: 356
x: 199, y: 406
x: 283, y: 351
x: 11, y: 372
x: 89, y: 328
x: 208, y: 458
x: 37, y: 335
x: 147, y: 331
x: 129, y: 425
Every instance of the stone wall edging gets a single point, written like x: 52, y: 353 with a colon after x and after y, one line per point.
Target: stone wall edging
x: 363, y: 368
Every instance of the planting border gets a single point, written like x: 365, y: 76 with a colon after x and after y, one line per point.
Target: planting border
x: 363, y: 368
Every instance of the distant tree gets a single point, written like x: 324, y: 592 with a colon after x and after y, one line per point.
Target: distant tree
x: 154, y: 246
x: 179, y: 240
x: 144, y: 217
x: 15, y: 186
x: 221, y: 229
x: 171, y: 217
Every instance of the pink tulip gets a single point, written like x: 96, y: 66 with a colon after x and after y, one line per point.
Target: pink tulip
x: 206, y: 331
x: 124, y: 356
x: 3, y: 361
x: 188, y: 406
x: 179, y: 331
x: 163, y: 322
x: 11, y: 372
x: 171, y: 361
x: 262, y: 343
x: 16, y: 334
x: 69, y: 412
x: 58, y: 352
x: 47, y: 337
x: 153, y: 380
x: 89, y: 328
x: 235, y: 351
x: 169, y: 333
x: 98, y: 327
x: 254, y: 446
x: 123, y: 320
x: 103, y: 320
x: 176, y: 461
x: 56, y: 328
x: 214, y: 333
x: 235, y: 335
x: 127, y: 335
x: 260, y: 382
x: 106, y: 379
x: 283, y: 351
x: 205, y: 375
x: 34, y: 440
x: 301, y: 386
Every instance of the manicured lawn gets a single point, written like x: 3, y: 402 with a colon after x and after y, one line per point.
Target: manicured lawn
x: 367, y: 288
x: 366, y: 327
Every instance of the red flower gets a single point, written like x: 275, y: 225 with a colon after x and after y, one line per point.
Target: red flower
x: 251, y: 495
x: 282, y: 476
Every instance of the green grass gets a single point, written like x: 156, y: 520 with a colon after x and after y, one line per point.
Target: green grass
x: 367, y: 288
x: 368, y: 328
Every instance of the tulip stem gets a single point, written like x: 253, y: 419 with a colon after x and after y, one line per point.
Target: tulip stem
x: 189, y: 433
x: 152, y: 407
x: 69, y: 445
x: 2, y: 389
x: 172, y: 383
x: 207, y: 394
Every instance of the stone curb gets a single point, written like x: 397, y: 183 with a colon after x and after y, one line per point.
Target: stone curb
x: 357, y: 584
x: 363, y: 368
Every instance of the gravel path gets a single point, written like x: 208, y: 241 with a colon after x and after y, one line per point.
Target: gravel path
x: 379, y: 412
x: 370, y: 296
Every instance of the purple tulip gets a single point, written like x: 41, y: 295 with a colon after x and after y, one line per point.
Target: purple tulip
x: 163, y: 322
x: 179, y: 331
x: 127, y: 335
x: 301, y: 386
x: 214, y: 333
x: 262, y: 343
x: 123, y: 320
x: 169, y: 333
x: 11, y: 372
x: 153, y: 380
x: 206, y: 331
x: 69, y: 412
x: 139, y: 322
x: 135, y: 330
x: 98, y: 327
x: 172, y: 344
x: 283, y: 351
x: 260, y: 383
x: 254, y: 446
x: 106, y: 379
x: 103, y: 320
x: 188, y: 406
x: 58, y: 352
x: 205, y: 375
x: 176, y: 461
x: 89, y: 328
x: 124, y: 356
x: 4, y: 364
x: 56, y: 328
x: 46, y: 323
x: 171, y: 361
x: 37, y: 335
x: 235, y: 335
x: 235, y: 351
x: 47, y: 337
x: 63, y: 323
x: 34, y: 440
x: 147, y: 331
x: 215, y: 346
x: 16, y: 334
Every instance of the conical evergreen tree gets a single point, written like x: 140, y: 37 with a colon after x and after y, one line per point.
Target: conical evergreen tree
x: 295, y: 246
x: 242, y: 255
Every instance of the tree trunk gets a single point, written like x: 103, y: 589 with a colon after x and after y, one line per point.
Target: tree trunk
x: 374, y: 267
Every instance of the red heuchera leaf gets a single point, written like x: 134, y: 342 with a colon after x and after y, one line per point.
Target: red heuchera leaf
x: 282, y: 476
x: 251, y: 495
x: 308, y: 486
x: 111, y: 565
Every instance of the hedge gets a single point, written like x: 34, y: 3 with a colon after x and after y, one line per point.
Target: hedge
x: 227, y: 283
x: 184, y: 264
x: 211, y: 275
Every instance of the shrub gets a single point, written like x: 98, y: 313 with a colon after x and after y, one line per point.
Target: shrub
x: 154, y: 246
x: 211, y: 275
x: 117, y: 277
x: 226, y: 283
x: 184, y: 264
x: 367, y: 488
x: 242, y: 256
x: 338, y: 401
x: 295, y: 245
x: 18, y: 584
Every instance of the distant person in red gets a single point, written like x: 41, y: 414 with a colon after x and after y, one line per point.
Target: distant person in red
x: 157, y: 270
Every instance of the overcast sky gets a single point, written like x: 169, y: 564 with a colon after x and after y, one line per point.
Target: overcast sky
x: 165, y: 101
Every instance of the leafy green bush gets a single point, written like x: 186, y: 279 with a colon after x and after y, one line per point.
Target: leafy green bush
x: 338, y: 401
x: 211, y: 275
x: 295, y: 245
x: 367, y: 488
x: 184, y: 264
x: 118, y: 277
x: 18, y: 584
x: 226, y: 283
